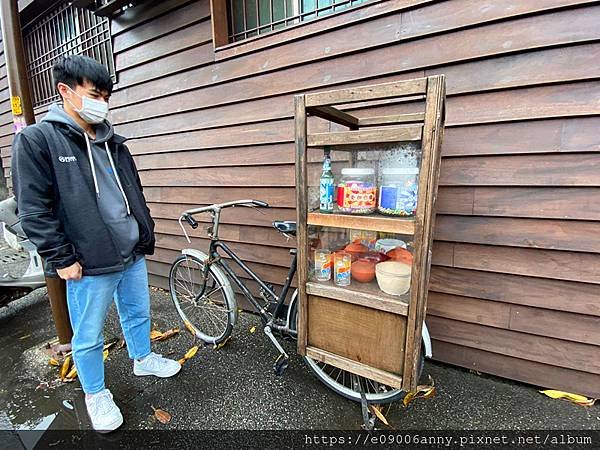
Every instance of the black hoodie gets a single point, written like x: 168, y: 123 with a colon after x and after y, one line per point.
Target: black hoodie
x: 71, y: 209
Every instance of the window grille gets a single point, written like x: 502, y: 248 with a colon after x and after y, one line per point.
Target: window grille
x: 63, y: 30
x: 249, y: 18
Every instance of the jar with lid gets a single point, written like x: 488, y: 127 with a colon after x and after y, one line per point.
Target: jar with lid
x: 398, y: 191
x: 357, y: 191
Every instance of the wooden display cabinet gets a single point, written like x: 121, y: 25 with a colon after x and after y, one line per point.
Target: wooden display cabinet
x: 359, y: 328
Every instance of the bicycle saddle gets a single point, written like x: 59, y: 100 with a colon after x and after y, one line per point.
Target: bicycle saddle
x: 285, y: 226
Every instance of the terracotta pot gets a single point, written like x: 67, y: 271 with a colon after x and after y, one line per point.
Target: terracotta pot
x: 363, y: 270
x: 356, y: 250
x: 401, y: 255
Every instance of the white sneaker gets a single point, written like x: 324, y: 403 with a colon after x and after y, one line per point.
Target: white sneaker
x: 154, y: 364
x: 104, y: 413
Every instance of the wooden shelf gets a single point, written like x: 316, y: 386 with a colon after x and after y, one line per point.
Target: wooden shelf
x: 407, y: 133
x: 364, y: 294
x: 371, y: 222
x: 355, y: 367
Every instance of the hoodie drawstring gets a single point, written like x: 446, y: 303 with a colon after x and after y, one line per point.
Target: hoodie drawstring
x: 112, y: 164
x: 89, y: 149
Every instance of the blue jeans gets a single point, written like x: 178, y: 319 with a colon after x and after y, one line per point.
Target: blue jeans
x: 89, y: 300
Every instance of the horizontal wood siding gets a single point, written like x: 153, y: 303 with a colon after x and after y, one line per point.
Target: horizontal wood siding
x: 516, y: 261
x: 517, y: 253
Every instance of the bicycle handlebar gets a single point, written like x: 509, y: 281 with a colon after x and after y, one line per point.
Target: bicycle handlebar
x: 218, y: 206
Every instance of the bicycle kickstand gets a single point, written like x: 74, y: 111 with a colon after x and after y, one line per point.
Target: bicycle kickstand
x: 282, y: 361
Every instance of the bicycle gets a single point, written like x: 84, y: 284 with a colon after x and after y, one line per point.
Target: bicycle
x: 200, y: 285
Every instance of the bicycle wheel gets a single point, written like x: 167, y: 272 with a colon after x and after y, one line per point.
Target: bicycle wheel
x: 343, y: 382
x: 212, y: 314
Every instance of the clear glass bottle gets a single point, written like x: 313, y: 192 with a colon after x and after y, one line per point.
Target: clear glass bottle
x: 326, y: 185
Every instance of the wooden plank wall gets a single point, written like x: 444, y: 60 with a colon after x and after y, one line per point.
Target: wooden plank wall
x: 517, y: 254
x: 514, y: 288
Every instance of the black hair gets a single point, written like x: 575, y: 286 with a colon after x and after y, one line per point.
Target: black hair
x: 74, y: 70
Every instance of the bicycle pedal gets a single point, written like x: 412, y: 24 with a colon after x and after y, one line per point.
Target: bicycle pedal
x: 281, y: 364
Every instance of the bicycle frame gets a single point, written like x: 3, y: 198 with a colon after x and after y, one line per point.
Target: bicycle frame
x: 216, y: 244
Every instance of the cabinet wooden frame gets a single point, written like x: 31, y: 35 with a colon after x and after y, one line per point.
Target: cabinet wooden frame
x: 407, y: 312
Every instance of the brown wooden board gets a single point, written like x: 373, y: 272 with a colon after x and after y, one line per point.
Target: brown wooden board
x: 179, y: 17
x: 574, y: 235
x: 561, y: 265
x: 365, y: 335
x: 538, y: 136
x: 544, y: 293
x: 573, y: 169
x: 571, y: 355
x: 548, y: 376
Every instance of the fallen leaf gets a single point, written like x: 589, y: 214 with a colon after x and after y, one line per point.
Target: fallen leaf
x: 24, y: 337
x: 222, y: 344
x: 167, y: 334
x: 189, y: 354
x: 574, y: 398
x: 190, y: 328
x: 53, y: 362
x: 65, y: 367
x: 253, y: 330
x: 110, y: 343
x: 161, y: 416
x: 376, y: 409
x: 104, y: 355
x: 155, y: 334
x: 422, y: 391
x: 71, y: 375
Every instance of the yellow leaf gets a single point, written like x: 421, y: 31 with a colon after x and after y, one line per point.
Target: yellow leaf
x: 191, y: 352
x: 104, y: 355
x: 167, y: 334
x: 222, y: 344
x: 575, y: 398
x: 53, y: 362
x: 161, y: 416
x: 155, y: 334
x: 252, y: 330
x: 377, y: 411
x: 72, y: 374
x: 181, y: 361
x: 409, y: 398
x: 190, y: 328
x: 111, y: 343
x: 422, y: 391
x: 65, y: 367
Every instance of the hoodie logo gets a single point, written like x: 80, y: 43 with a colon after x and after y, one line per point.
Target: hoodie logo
x: 67, y: 159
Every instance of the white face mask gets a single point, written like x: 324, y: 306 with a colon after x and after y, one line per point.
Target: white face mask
x: 92, y: 111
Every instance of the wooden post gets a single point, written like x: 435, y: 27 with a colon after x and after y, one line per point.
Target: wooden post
x: 23, y: 115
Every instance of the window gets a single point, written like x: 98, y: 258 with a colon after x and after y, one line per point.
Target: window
x: 249, y: 18
x: 63, y: 30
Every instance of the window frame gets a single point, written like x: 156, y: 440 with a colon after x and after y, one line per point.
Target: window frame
x: 225, y: 49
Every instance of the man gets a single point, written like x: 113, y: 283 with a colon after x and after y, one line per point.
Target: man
x: 80, y: 202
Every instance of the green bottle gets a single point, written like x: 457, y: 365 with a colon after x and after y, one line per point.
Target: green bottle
x: 326, y: 185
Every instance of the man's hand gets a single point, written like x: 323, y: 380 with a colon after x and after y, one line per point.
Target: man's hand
x: 73, y: 272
